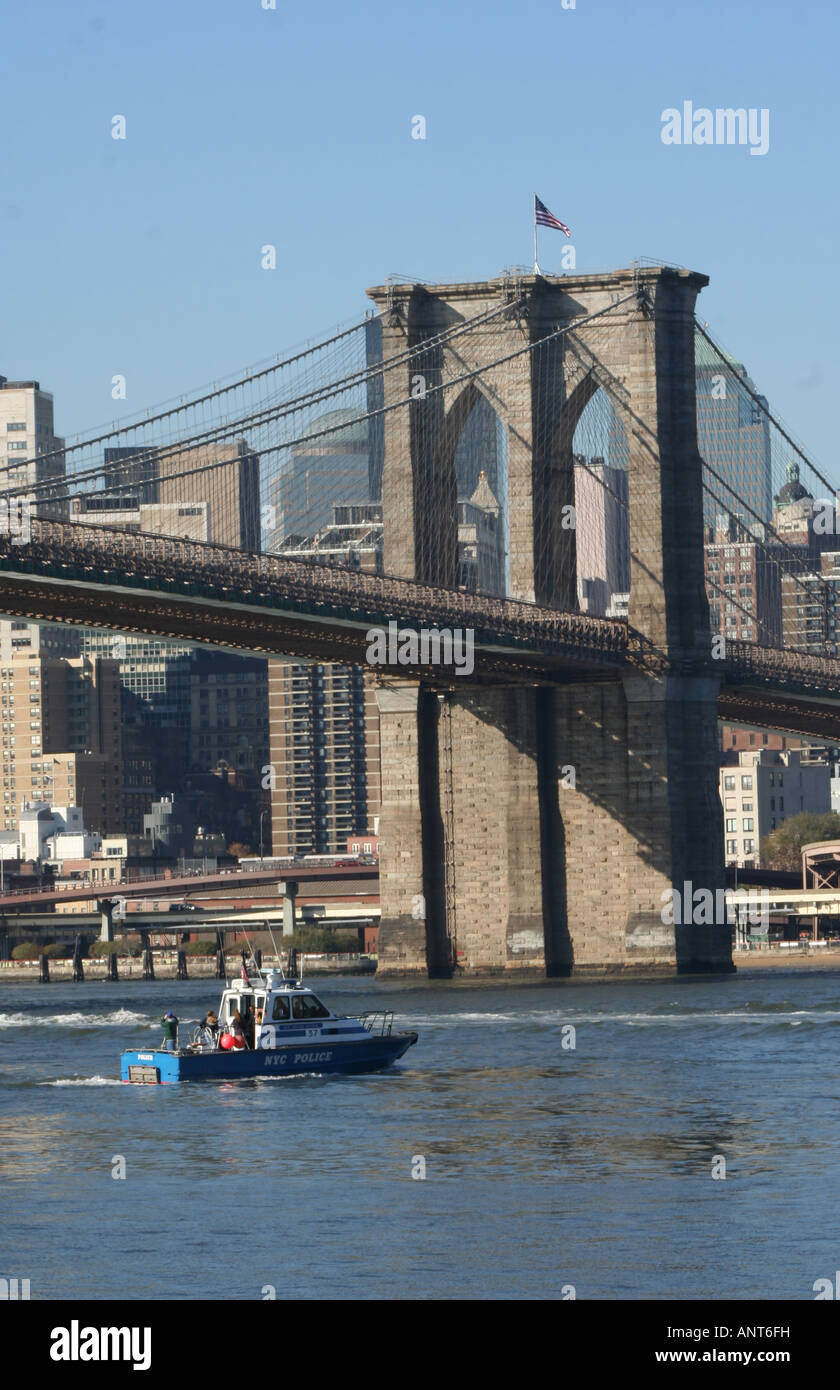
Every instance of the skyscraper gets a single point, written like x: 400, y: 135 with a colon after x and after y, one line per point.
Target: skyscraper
x: 324, y: 755
x: 602, y: 534
x: 318, y: 473
x: 733, y: 435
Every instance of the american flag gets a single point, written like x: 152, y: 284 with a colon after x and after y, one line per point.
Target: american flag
x: 544, y: 218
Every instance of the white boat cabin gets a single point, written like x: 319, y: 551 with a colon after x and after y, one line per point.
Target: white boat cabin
x: 276, y: 1009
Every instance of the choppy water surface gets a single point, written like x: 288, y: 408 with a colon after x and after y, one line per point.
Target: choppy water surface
x: 546, y: 1166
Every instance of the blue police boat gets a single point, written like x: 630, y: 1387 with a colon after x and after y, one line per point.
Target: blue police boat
x: 272, y: 1027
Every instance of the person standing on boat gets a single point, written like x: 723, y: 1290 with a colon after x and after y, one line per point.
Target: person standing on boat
x: 210, y: 1024
x: 170, y: 1032
x: 237, y: 1031
x: 248, y: 1026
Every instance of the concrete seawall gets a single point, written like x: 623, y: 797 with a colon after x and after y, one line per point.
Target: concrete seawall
x: 166, y: 968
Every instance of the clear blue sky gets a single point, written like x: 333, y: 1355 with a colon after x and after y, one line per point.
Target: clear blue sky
x: 248, y: 126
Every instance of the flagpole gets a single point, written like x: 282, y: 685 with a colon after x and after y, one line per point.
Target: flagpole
x: 536, y: 265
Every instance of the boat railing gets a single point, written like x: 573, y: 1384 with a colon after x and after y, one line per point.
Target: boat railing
x: 379, y: 1022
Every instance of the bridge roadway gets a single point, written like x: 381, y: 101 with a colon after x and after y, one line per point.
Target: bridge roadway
x: 63, y: 926
x: 99, y: 576
x: 359, y: 876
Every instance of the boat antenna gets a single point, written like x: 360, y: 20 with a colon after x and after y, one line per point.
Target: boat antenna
x: 253, y: 958
x: 276, y: 952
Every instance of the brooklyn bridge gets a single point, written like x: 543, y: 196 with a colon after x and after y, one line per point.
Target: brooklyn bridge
x: 535, y: 811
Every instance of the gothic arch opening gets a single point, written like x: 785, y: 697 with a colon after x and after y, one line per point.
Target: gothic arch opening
x: 472, y: 459
x: 599, y: 458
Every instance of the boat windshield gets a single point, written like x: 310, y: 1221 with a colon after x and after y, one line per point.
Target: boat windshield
x: 307, y: 1006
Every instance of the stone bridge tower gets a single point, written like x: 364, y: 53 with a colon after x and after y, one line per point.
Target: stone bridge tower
x: 539, y: 829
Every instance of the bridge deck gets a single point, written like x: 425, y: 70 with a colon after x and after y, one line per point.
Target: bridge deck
x: 93, y: 575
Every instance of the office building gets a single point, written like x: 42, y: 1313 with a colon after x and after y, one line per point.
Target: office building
x: 743, y: 583
x: 220, y: 478
x: 224, y: 477
x: 760, y: 791
x: 324, y: 755
x: 31, y: 453
x: 228, y: 712
x: 810, y: 573
x: 61, y: 737
x: 352, y: 540
x: 190, y: 520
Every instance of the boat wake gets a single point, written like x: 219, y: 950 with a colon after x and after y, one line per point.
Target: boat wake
x: 76, y: 1019
x: 83, y: 1081
x: 558, y: 1018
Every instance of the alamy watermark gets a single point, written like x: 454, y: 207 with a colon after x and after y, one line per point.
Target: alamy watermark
x: 425, y: 646
x: 14, y: 1289
x: 726, y: 125
x: 78, y: 1343
x: 704, y: 907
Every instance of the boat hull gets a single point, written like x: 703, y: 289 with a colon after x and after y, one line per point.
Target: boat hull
x: 157, y: 1067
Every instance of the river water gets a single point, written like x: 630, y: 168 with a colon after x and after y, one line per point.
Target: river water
x: 548, y: 1167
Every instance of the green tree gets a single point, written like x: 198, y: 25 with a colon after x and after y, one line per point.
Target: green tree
x: 111, y: 948
x: 782, y: 848
x: 26, y: 950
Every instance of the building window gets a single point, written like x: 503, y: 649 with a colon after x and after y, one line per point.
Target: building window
x: 749, y: 823
x: 731, y: 824
x: 746, y: 784
x: 729, y: 784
